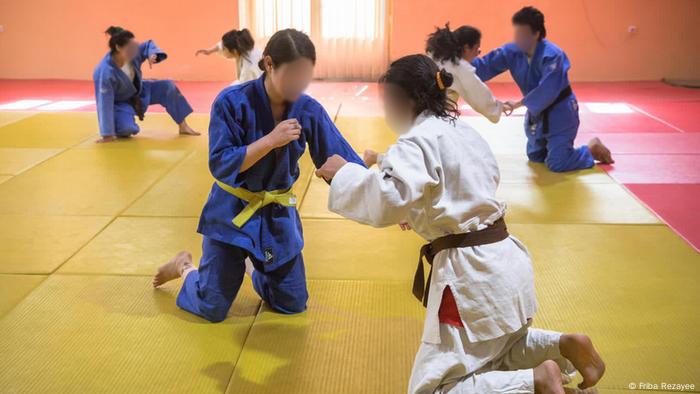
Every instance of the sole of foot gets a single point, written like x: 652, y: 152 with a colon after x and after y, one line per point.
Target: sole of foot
x: 579, y: 349
x: 173, y: 269
x: 600, y: 152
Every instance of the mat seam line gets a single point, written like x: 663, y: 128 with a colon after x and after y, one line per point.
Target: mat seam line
x: 114, y: 218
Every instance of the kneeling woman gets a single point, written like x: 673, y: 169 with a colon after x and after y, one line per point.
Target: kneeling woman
x: 442, y: 177
x: 121, y: 93
x: 257, y: 133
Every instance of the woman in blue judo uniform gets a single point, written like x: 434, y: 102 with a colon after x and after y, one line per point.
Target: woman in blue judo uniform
x: 257, y: 133
x: 540, y: 69
x: 122, y: 94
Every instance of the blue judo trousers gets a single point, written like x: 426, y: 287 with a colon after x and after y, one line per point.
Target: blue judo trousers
x: 272, y: 237
x: 552, y: 119
x: 115, y: 92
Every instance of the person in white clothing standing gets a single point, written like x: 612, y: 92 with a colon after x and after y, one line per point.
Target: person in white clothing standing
x: 238, y: 45
x: 441, y: 177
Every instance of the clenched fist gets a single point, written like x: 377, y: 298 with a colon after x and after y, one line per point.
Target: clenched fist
x: 285, y: 132
x: 370, y: 157
x: 331, y: 167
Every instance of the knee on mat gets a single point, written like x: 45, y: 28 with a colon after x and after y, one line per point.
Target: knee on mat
x: 215, y: 313
x: 556, y: 165
x: 127, y: 132
x: 292, y: 305
x: 536, y: 157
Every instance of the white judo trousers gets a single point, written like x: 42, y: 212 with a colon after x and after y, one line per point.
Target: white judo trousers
x: 501, y: 365
x: 442, y: 178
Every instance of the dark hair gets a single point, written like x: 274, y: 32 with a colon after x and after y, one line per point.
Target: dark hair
x: 286, y: 46
x: 238, y: 40
x: 118, y: 37
x: 417, y: 77
x: 532, y: 17
x: 445, y: 45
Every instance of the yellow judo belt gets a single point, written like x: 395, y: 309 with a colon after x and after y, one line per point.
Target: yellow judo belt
x: 257, y: 200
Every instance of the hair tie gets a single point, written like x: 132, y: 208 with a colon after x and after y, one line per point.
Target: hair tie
x: 439, y: 81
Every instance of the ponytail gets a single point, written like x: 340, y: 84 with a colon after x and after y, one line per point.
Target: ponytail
x: 420, y: 80
x: 118, y: 37
x: 238, y: 40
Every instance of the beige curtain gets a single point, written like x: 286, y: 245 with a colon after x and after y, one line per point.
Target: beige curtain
x: 350, y: 35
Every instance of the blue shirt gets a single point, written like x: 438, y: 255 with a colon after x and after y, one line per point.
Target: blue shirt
x: 241, y: 115
x: 540, y: 79
x: 112, y: 85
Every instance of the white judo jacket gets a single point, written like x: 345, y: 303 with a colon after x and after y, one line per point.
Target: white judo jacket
x: 441, y: 177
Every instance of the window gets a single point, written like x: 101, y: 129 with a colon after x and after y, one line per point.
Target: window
x: 349, y: 35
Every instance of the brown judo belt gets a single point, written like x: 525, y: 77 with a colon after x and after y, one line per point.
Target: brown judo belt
x: 494, y: 233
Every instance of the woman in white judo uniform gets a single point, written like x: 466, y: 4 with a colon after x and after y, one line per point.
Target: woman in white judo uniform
x: 454, y: 51
x: 238, y: 45
x: 442, y: 178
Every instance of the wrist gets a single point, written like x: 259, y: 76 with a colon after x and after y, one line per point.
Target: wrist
x: 267, y: 143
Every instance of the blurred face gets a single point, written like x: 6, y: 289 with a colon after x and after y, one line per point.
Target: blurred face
x: 129, y: 50
x: 398, y: 109
x: 524, y: 38
x: 289, y: 80
x: 472, y: 53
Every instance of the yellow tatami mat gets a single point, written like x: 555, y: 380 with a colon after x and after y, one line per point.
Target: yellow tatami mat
x: 367, y: 133
x: 89, y: 224
x: 159, y: 131
x: 518, y: 169
x: 15, y: 160
x: 136, y: 246
x: 97, y: 334
x: 181, y: 192
x: 335, y: 346
x: 565, y: 201
x: 315, y: 203
x: 40, y: 244
x: 11, y: 117
x: 86, y: 182
x: 13, y: 288
x: 49, y: 130
x: 633, y: 289
x: 572, y: 202
x: 341, y: 249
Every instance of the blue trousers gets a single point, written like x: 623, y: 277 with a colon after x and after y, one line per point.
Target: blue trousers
x: 556, y: 147
x: 162, y: 92
x: 209, y: 291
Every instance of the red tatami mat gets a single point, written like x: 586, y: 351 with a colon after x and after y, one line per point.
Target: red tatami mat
x: 679, y: 114
x: 655, y: 169
x: 676, y: 205
x: 621, y: 123
x: 647, y: 143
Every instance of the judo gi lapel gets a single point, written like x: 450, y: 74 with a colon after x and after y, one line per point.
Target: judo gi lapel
x: 131, y: 88
x: 265, y: 118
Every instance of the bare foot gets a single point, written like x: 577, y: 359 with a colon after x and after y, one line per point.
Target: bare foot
x: 579, y: 349
x: 600, y: 152
x: 185, y: 129
x: 173, y: 269
x: 548, y: 378
x: 109, y: 138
